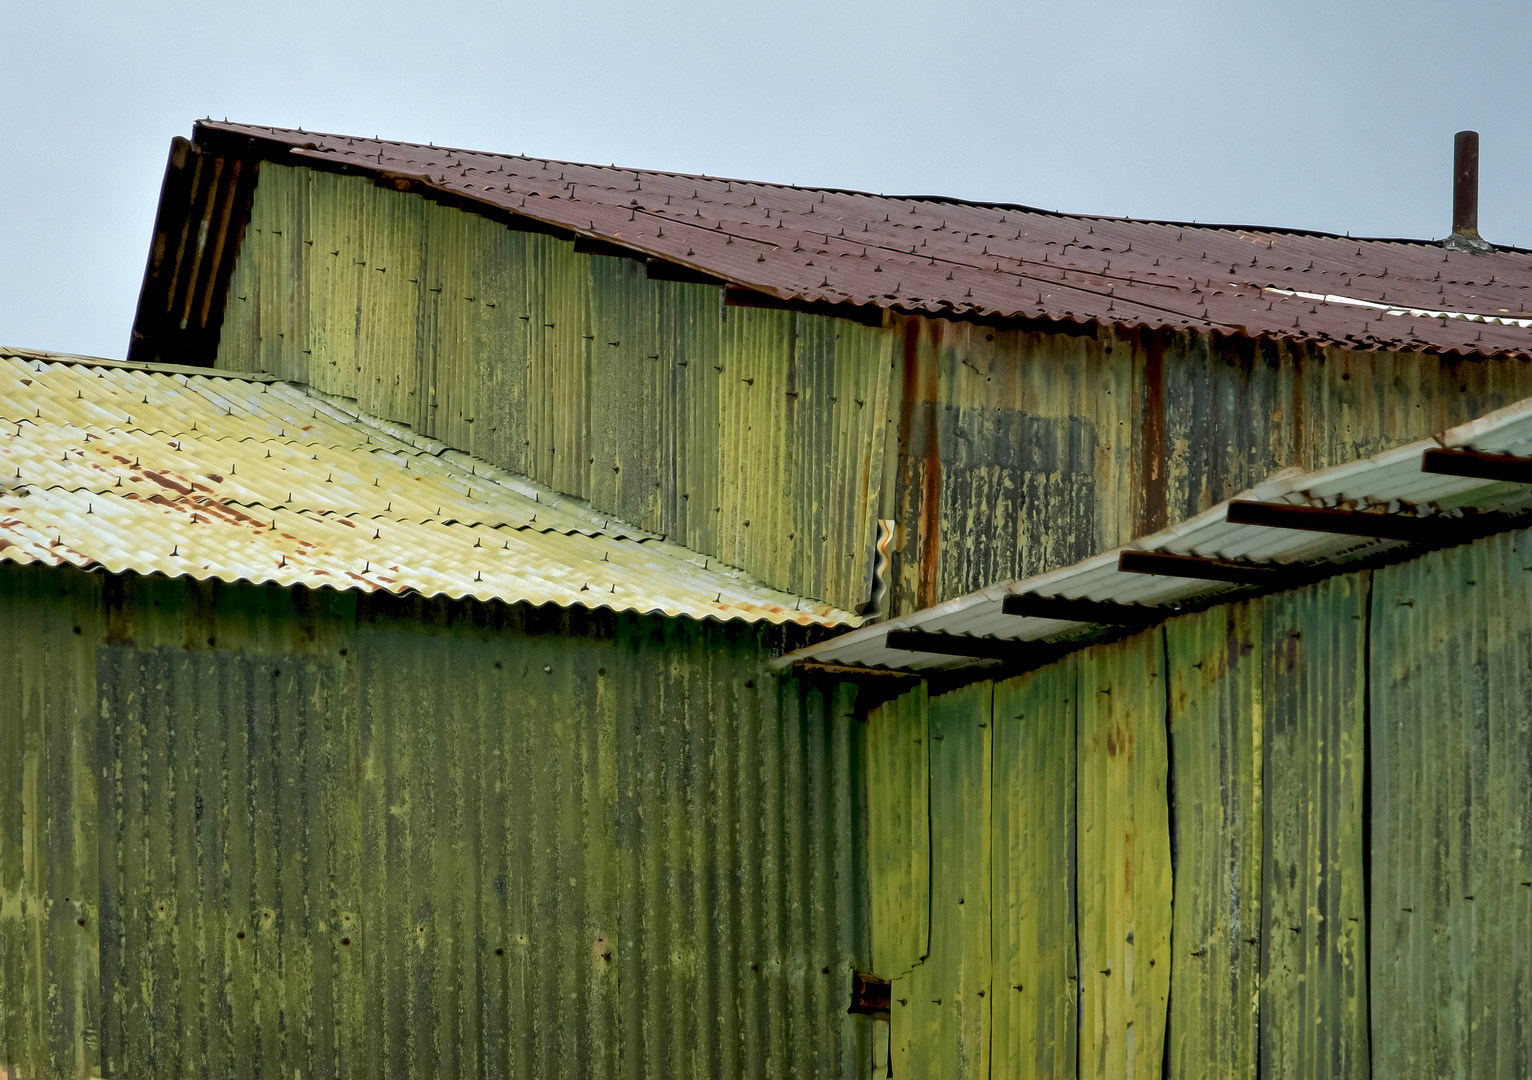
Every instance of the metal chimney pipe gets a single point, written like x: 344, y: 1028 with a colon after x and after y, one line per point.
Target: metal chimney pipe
x: 1465, y: 183
x: 1465, y: 194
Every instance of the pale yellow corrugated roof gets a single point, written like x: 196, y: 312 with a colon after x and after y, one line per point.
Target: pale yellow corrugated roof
x: 170, y: 472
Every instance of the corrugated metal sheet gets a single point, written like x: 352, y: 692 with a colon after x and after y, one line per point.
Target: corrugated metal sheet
x: 1215, y: 661
x: 1387, y: 482
x: 1451, y: 754
x: 756, y: 436
x: 343, y: 833
x: 1123, y: 861
x: 236, y: 480
x: 899, y: 833
x: 918, y: 254
x: 943, y: 1006
x: 49, y: 919
x: 1314, y: 933
x: 1035, y: 1029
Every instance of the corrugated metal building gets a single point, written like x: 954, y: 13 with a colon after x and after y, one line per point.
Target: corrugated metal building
x: 325, y: 750
x: 762, y: 372
x: 1248, y: 797
x: 499, y: 777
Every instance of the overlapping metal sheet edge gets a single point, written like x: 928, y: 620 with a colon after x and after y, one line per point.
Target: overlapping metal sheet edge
x: 125, y: 469
x: 1392, y: 478
x: 843, y: 247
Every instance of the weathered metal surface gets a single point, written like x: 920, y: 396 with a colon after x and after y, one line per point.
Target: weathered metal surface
x: 920, y: 254
x: 1215, y: 661
x: 347, y: 834
x: 948, y: 995
x: 1460, y: 507
x: 1123, y: 858
x: 899, y: 832
x: 756, y: 436
x: 1451, y: 816
x: 1025, y: 451
x: 49, y: 918
x: 1313, y: 938
x: 1035, y: 981
x: 204, y: 204
x: 236, y: 480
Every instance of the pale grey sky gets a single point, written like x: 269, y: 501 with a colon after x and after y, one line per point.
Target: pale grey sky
x: 1332, y: 115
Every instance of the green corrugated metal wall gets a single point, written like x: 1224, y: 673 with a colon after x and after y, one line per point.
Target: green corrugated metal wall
x: 383, y: 838
x: 1216, y: 727
x: 1123, y: 858
x: 1036, y: 977
x: 49, y: 919
x: 755, y: 436
x: 775, y: 440
x: 1451, y: 754
x: 1223, y: 822
x: 1314, y: 913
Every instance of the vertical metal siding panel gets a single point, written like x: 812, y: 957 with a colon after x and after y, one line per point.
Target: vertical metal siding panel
x: 1451, y: 749
x: 950, y: 990
x: 499, y: 420
x: 627, y: 406
x: 49, y: 908
x: 1035, y: 978
x: 1123, y: 858
x: 898, y: 828
x: 1215, y: 747
x: 1314, y: 968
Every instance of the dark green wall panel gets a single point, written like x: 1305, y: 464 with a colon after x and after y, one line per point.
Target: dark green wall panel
x: 1451, y: 752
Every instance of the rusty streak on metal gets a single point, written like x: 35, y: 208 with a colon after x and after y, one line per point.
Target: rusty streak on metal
x: 957, y: 645
x: 1201, y: 567
x: 1086, y: 611
x: 1478, y: 465
x: 1345, y: 522
x: 870, y: 996
x: 1465, y: 184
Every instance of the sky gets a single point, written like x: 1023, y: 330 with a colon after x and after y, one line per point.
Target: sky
x: 1329, y: 115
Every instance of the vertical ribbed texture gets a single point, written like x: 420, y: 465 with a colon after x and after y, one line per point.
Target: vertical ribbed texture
x: 1451, y: 753
x: 899, y: 834
x: 1215, y: 662
x: 49, y: 919
x: 757, y: 437
x: 1036, y: 983
x: 948, y: 995
x: 418, y: 839
x: 1314, y: 968
x: 1124, y: 859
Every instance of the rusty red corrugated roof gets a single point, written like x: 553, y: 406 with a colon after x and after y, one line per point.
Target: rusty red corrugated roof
x: 950, y: 257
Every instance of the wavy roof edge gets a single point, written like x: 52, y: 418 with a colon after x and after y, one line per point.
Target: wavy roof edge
x: 1457, y: 509
x: 194, y: 472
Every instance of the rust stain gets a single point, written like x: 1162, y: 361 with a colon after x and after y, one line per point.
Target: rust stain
x: 1152, y: 478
